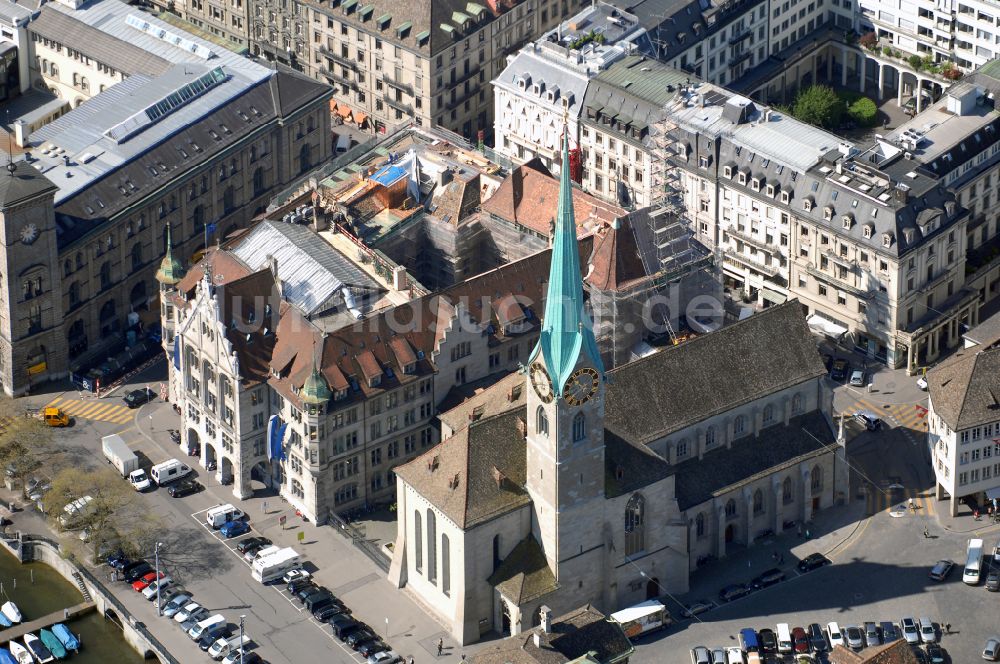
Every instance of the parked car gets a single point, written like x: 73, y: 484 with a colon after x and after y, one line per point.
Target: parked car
x: 768, y: 578
x: 136, y: 398
x: 733, y: 591
x: 858, y: 378
x: 308, y: 591
x: 248, y: 657
x: 149, y: 592
x: 189, y: 611
x: 384, y: 657
x: 871, y: 635
x: 991, y: 651
x: 297, y: 573
x: 993, y: 581
x: 922, y: 383
x: 928, y: 634
x: 115, y: 557
x: 910, y: 630
x: 234, y: 528
x: 812, y: 561
x: 935, y: 653
x: 718, y: 656
x: 816, y: 638
x: 700, y: 655
x: 326, y: 613
x: 358, y: 637
x: 835, y: 635
x: 854, y: 637
x: 890, y: 632
x: 800, y: 641
x: 295, y: 585
x: 840, y: 370
x: 176, y: 603
x: 195, y: 617
x: 131, y: 567
x: 184, y: 488
x: 143, y: 581
x: 251, y: 542
x: 369, y: 648
x: 343, y: 625
x: 768, y: 641
x: 941, y: 570
x: 697, y: 607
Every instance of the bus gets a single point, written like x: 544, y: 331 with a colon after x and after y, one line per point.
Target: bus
x: 973, y: 562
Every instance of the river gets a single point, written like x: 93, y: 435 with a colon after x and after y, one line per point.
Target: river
x: 39, y: 590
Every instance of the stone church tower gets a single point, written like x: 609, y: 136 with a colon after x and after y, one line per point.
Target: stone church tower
x: 30, y: 284
x: 565, y: 409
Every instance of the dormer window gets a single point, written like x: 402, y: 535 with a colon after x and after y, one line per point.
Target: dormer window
x: 867, y: 230
x: 847, y: 221
x: 828, y: 213
x: 538, y: 88
x: 728, y: 171
x: 755, y: 183
x: 770, y: 190
x: 704, y: 161
x: 410, y: 368
x: 742, y: 178
x: 887, y: 239
x: 375, y: 381
x: 807, y: 204
x: 552, y: 94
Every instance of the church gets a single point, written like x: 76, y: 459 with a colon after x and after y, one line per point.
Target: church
x: 565, y: 484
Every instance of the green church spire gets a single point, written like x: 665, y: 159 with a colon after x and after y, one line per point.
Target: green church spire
x: 566, y: 328
x: 171, y: 271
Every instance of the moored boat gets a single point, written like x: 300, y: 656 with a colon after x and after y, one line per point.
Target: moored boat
x: 20, y: 653
x: 38, y: 649
x: 6, y: 657
x: 10, y: 610
x: 54, y: 645
x: 4, y: 620
x: 67, y: 637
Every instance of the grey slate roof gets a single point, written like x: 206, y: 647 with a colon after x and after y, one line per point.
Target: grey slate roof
x: 720, y: 470
x: 673, y: 26
x: 965, y: 388
x: 711, y: 374
x: 312, y: 273
x: 23, y: 184
x: 986, y: 333
x: 543, y: 68
x: 524, y: 575
x: 127, y: 58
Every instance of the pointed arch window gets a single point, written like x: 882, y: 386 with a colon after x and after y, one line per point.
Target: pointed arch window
x: 445, y: 565
x: 418, y: 539
x: 431, y: 546
x: 768, y: 414
x: 816, y: 479
x: 740, y: 425
x: 699, y: 525
x: 758, y: 502
x: 797, y: 404
x: 579, y: 427
x: 709, y: 437
x: 541, y: 421
x: 731, y: 509
x: 786, y: 490
x: 635, y: 524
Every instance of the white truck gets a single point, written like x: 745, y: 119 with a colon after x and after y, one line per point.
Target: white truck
x: 642, y: 618
x: 119, y: 455
x: 275, y: 565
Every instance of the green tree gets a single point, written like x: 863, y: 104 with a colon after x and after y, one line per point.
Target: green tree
x: 864, y: 112
x: 915, y: 62
x: 25, y: 443
x: 818, y: 105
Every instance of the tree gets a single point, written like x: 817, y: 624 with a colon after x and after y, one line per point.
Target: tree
x: 869, y: 40
x: 915, y: 62
x: 819, y: 105
x: 115, y: 513
x: 864, y: 112
x: 25, y: 443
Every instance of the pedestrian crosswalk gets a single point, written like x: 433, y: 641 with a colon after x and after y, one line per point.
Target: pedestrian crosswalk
x: 884, y: 499
x: 907, y: 416
x: 94, y: 409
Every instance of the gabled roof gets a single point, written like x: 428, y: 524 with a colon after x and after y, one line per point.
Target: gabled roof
x: 616, y: 262
x: 471, y: 402
x: 965, y: 389
x: 711, y: 374
x: 23, y: 184
x: 524, y: 575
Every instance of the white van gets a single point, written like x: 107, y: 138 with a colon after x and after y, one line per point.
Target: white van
x: 973, y: 562
x: 275, y: 565
x: 836, y: 636
x: 734, y: 655
x: 206, y: 624
x: 225, y: 645
x: 784, y: 638
x: 219, y: 514
x: 169, y: 471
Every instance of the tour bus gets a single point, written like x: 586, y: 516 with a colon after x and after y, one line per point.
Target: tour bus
x: 973, y: 562
x: 275, y: 565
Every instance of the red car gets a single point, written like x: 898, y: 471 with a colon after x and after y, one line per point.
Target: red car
x: 144, y: 581
x: 800, y: 639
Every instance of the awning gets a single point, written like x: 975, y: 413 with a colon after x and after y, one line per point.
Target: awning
x: 344, y: 111
x: 333, y: 106
x: 825, y: 326
x: 773, y: 296
x: 993, y: 493
x: 360, y: 118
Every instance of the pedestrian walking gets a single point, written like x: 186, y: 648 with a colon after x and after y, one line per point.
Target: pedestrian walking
x: 912, y: 507
x: 947, y: 628
x: 66, y: 614
x: 440, y: 646
x: 926, y: 534
x: 264, y: 507
x: 410, y: 660
x: 463, y: 658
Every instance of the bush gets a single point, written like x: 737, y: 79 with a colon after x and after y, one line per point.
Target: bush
x: 886, y: 51
x: 818, y: 105
x: 869, y: 40
x: 952, y: 73
x: 864, y: 112
x: 915, y: 62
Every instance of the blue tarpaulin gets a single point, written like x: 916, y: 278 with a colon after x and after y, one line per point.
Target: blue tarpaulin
x: 275, y: 434
x: 177, y: 352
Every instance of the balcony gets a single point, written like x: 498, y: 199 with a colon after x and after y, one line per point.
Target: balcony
x: 740, y: 36
x: 339, y: 58
x: 740, y: 57
x: 737, y: 259
x: 402, y: 87
x: 461, y: 99
x: 454, y: 82
x: 838, y: 283
x: 753, y: 241
x: 407, y: 109
x: 334, y: 76
x: 840, y: 260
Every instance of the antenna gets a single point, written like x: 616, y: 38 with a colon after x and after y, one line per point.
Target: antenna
x: 10, y: 148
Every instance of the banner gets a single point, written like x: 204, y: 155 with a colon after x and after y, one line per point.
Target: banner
x: 177, y: 352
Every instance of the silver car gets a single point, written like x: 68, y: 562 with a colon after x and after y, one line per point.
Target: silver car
x: 700, y: 655
x: 871, y: 635
x: 854, y: 638
x: 910, y: 630
x: 718, y: 656
x: 992, y: 649
x: 927, y: 632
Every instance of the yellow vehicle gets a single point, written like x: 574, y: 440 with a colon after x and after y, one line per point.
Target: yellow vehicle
x: 55, y: 417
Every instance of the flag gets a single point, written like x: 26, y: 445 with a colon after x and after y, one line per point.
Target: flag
x: 210, y: 229
x: 177, y: 352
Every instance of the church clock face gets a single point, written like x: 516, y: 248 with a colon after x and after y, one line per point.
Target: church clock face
x: 541, y: 382
x: 582, y: 386
x: 29, y: 234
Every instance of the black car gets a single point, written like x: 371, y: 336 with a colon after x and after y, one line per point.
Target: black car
x: 343, y: 625
x: 206, y: 641
x: 175, y: 436
x: 135, y: 571
x: 827, y: 361
x: 813, y: 561
x: 118, y: 559
x: 319, y: 601
x: 768, y: 641
x: 733, y: 591
x: 295, y: 585
x: 841, y: 370
x: 817, y: 640
x: 184, y: 488
x: 369, y: 648
x: 935, y: 653
x: 136, y: 398
x: 768, y: 578
x: 356, y: 638
x: 993, y: 581
x: 304, y: 594
x: 252, y: 542
x: 328, y: 612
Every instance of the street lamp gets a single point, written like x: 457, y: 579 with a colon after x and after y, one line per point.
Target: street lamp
x: 156, y: 553
x: 242, y: 618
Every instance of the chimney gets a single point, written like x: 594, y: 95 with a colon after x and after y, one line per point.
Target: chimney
x: 616, y: 223
x: 21, y: 133
x: 902, y: 192
x: 272, y: 264
x: 536, y: 638
x: 399, y: 278
x: 546, y: 614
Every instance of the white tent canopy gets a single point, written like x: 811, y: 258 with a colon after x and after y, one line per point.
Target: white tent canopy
x: 822, y: 325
